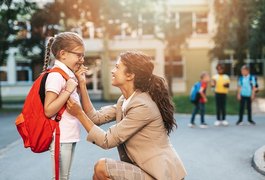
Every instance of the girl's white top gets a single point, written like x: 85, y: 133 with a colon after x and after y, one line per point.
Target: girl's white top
x: 69, y: 125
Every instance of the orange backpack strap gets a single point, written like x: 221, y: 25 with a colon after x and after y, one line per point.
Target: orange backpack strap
x: 59, y: 70
x: 57, y: 151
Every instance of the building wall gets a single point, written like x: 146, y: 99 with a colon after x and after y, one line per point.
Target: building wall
x: 150, y: 46
x: 197, y: 60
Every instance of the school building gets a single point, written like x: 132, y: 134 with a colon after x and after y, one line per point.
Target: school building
x: 101, y: 55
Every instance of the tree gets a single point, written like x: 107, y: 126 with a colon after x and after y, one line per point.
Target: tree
x: 257, y: 25
x: 240, y: 27
x: 232, y: 17
x: 13, y: 17
x: 175, y: 34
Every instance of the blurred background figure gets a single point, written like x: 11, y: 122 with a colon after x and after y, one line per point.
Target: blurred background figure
x: 220, y: 82
x: 246, y: 93
x: 200, y: 105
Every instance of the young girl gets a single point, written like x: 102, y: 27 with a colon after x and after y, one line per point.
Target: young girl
x: 68, y: 50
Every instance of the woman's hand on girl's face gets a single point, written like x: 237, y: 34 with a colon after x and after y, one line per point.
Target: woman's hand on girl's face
x: 73, y: 107
x: 81, y: 74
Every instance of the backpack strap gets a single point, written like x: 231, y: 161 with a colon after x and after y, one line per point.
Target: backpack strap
x: 59, y: 70
x: 57, y: 151
x: 240, y: 79
x: 57, y: 128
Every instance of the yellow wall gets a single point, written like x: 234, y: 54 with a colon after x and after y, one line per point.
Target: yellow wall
x: 196, y: 61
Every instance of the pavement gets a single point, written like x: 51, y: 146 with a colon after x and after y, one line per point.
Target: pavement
x: 216, y: 153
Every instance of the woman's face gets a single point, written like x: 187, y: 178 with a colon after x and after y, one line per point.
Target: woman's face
x: 74, y: 58
x: 119, y: 75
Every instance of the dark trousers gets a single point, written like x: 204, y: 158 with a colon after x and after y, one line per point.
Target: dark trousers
x: 245, y: 100
x: 198, y: 107
x: 220, y: 100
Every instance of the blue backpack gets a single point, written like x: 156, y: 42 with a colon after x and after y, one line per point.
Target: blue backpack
x: 251, y: 78
x: 194, y: 93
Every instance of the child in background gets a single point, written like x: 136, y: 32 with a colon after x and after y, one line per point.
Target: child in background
x: 68, y: 49
x: 246, y: 93
x: 220, y: 82
x: 200, y: 105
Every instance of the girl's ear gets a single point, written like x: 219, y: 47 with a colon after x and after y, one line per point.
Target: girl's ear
x: 62, y: 55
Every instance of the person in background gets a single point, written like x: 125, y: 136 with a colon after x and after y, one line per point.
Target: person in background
x: 220, y: 83
x: 245, y: 94
x: 200, y: 105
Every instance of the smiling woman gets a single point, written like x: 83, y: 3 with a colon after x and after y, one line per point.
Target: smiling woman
x: 144, y: 119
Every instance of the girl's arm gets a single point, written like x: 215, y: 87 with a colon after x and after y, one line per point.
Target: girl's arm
x: 54, y: 102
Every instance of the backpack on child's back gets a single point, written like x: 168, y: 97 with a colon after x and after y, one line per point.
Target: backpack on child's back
x: 194, y: 93
x: 35, y: 129
x: 251, y: 79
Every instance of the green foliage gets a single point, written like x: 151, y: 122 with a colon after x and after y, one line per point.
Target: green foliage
x: 12, y: 16
x: 240, y: 27
x: 78, y: 12
x: 257, y: 36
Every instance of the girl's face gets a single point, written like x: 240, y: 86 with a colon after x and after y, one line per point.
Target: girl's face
x: 119, y: 75
x: 73, y: 59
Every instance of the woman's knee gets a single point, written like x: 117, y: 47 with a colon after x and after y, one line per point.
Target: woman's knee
x: 100, y: 168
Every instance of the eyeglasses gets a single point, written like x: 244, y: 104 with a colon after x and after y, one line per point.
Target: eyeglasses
x: 79, y: 55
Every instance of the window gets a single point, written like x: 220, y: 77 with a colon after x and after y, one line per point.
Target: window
x: 24, y: 72
x: 234, y: 69
x: 3, y: 72
x: 174, y: 67
x: 256, y: 68
x: 3, y: 75
x: 200, y: 22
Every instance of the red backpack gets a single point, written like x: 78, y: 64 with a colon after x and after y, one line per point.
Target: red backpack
x: 33, y: 126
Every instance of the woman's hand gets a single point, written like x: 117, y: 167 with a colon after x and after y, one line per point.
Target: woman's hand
x: 81, y: 75
x: 73, y: 107
x: 75, y: 110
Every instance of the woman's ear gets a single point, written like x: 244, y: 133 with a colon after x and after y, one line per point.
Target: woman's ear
x: 130, y: 76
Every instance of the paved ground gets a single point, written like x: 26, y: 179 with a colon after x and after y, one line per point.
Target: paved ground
x: 216, y: 153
